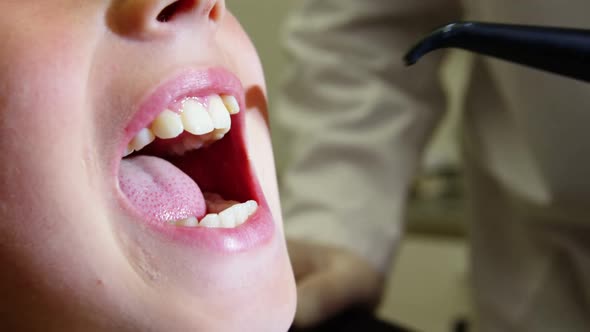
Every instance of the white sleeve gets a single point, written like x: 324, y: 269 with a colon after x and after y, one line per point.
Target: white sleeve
x: 354, y: 120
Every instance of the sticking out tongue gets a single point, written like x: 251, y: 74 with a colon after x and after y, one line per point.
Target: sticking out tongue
x: 160, y: 191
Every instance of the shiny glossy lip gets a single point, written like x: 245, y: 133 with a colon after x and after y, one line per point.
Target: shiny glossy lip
x: 260, y: 228
x: 191, y: 83
x: 256, y: 232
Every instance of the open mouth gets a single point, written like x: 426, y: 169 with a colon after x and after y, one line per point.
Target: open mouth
x: 187, y: 166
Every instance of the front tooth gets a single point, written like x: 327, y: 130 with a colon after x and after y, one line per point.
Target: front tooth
x: 167, y: 125
x: 219, y: 114
x: 143, y: 138
x: 211, y: 220
x: 228, y: 218
x: 231, y: 103
x: 195, y: 118
x: 231, y: 217
x: 188, y: 222
x: 241, y: 213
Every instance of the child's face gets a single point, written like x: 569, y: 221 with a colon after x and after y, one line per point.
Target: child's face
x: 88, y: 240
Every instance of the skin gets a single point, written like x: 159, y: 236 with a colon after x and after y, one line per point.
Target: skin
x: 70, y: 74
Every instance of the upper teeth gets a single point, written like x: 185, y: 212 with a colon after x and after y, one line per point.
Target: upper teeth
x: 209, y: 121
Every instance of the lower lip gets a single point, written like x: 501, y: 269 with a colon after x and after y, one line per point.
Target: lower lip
x: 256, y: 232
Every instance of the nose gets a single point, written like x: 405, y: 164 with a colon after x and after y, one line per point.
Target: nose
x: 149, y: 19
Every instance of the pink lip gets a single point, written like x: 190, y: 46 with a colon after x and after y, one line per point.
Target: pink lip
x: 254, y: 233
x: 259, y: 229
x: 191, y: 83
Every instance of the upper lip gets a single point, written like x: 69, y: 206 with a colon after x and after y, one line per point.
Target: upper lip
x: 189, y: 83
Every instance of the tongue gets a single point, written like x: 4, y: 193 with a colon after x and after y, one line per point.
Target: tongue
x: 160, y: 191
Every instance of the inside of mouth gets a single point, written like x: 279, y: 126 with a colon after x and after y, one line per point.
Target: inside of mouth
x: 221, y: 168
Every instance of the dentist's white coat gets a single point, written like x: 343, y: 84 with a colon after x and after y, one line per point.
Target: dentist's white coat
x: 357, y: 121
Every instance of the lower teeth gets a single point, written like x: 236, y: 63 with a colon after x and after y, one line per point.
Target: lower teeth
x: 222, y: 213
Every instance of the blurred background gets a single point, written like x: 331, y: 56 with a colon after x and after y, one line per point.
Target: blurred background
x: 428, y: 290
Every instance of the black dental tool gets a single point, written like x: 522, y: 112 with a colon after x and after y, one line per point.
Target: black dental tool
x: 558, y: 50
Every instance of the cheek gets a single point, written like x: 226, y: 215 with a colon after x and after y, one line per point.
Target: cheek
x: 260, y: 151
x: 42, y: 115
x: 44, y: 131
x: 43, y: 79
x: 241, y: 53
x: 43, y: 72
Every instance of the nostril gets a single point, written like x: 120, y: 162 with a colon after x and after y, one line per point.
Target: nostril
x: 174, y: 9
